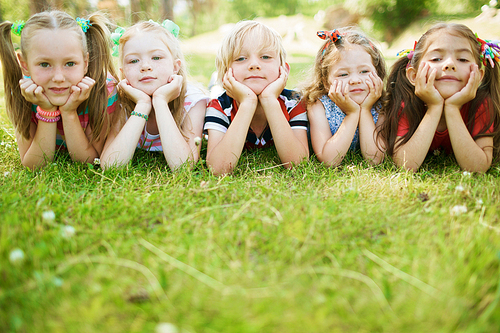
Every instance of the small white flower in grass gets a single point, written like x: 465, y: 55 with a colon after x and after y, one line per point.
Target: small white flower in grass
x: 67, y: 231
x: 459, y: 188
x: 97, y: 161
x: 8, y: 145
x: 48, y: 216
x: 458, y: 210
x: 6, y: 173
x: 166, y: 328
x: 16, y: 256
x: 493, y: 3
x: 466, y: 173
x: 197, y: 141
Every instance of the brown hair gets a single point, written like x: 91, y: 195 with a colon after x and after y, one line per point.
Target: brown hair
x: 400, y: 91
x: 317, y: 85
x: 95, y: 41
x: 177, y: 105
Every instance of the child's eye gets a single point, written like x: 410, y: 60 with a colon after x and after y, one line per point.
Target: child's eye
x: 156, y: 58
x: 239, y: 59
x: 342, y: 75
x: 463, y: 60
x: 435, y: 59
x: 266, y: 57
x: 133, y: 61
x: 365, y: 72
x: 44, y: 64
x: 70, y: 64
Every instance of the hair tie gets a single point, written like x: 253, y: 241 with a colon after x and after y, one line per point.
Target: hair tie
x: 171, y: 27
x: 490, y: 51
x: 17, y: 27
x: 115, y: 37
x: 83, y: 23
x: 330, y: 37
x: 407, y: 53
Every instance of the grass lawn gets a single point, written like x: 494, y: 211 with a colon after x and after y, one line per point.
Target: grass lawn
x: 313, y: 249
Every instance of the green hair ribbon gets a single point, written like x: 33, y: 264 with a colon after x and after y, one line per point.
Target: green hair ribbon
x: 115, y: 37
x: 17, y: 27
x: 171, y: 27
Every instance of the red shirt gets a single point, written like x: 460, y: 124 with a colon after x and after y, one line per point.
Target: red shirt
x: 441, y: 140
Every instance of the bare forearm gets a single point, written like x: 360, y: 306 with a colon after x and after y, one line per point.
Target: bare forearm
x: 42, y: 148
x: 412, y: 154
x: 367, y: 138
x: 121, y: 149
x: 77, y: 142
x: 470, y: 156
x: 336, y: 147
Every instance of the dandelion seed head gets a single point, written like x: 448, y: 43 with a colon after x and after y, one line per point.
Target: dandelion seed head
x: 48, y: 216
x: 459, y: 188
x: 197, y: 141
x: 16, y: 256
x: 67, y: 231
x: 458, y: 210
x: 166, y: 328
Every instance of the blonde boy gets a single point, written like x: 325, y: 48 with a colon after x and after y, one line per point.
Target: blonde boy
x: 255, y: 111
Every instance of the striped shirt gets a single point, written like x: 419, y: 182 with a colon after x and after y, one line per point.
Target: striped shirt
x: 221, y: 112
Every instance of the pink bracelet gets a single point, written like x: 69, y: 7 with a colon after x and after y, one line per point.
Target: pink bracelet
x: 47, y: 113
x: 52, y: 120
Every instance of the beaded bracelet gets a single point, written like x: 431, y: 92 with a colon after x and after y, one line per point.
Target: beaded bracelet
x: 142, y: 115
x: 52, y: 120
x: 47, y: 113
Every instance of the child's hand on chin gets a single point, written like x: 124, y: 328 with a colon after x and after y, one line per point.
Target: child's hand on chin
x: 136, y: 95
x: 467, y: 93
x: 79, y: 94
x: 341, y: 97
x: 375, y: 86
x: 424, y: 86
x: 274, y: 88
x: 171, y: 90
x: 237, y: 90
x: 34, y: 94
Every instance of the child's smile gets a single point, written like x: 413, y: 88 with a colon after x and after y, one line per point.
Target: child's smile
x: 352, y: 70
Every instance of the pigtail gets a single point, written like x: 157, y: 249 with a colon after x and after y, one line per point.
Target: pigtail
x: 100, y: 65
x: 15, y: 103
x: 399, y: 92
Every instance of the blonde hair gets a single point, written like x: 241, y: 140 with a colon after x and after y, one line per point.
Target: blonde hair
x: 317, y: 85
x: 95, y: 41
x: 233, y: 43
x: 177, y: 105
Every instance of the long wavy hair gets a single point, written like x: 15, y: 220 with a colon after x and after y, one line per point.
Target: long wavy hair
x: 95, y: 41
x: 176, y: 106
x: 317, y: 84
x: 401, y: 92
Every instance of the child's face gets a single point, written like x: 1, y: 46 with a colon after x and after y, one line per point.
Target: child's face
x: 256, y: 67
x: 352, y: 70
x: 55, y: 61
x: 147, y: 62
x: 452, y: 57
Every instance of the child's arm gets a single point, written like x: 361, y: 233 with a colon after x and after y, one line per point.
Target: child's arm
x: 40, y: 148
x: 413, y: 152
x: 370, y: 150
x: 332, y: 149
x: 224, y: 149
x: 474, y: 156
x: 121, y: 143
x: 176, y: 149
x: 77, y: 140
x: 291, y: 145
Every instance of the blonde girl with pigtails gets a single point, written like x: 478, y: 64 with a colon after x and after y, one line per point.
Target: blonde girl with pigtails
x: 444, y: 95
x: 59, y: 89
x: 165, y: 112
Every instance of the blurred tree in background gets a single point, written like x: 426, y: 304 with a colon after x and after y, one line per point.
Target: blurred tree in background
x: 387, y: 18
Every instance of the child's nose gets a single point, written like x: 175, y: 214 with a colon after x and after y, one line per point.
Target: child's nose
x: 355, y: 79
x: 145, y: 66
x: 449, y: 64
x: 58, y: 75
x: 254, y: 63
